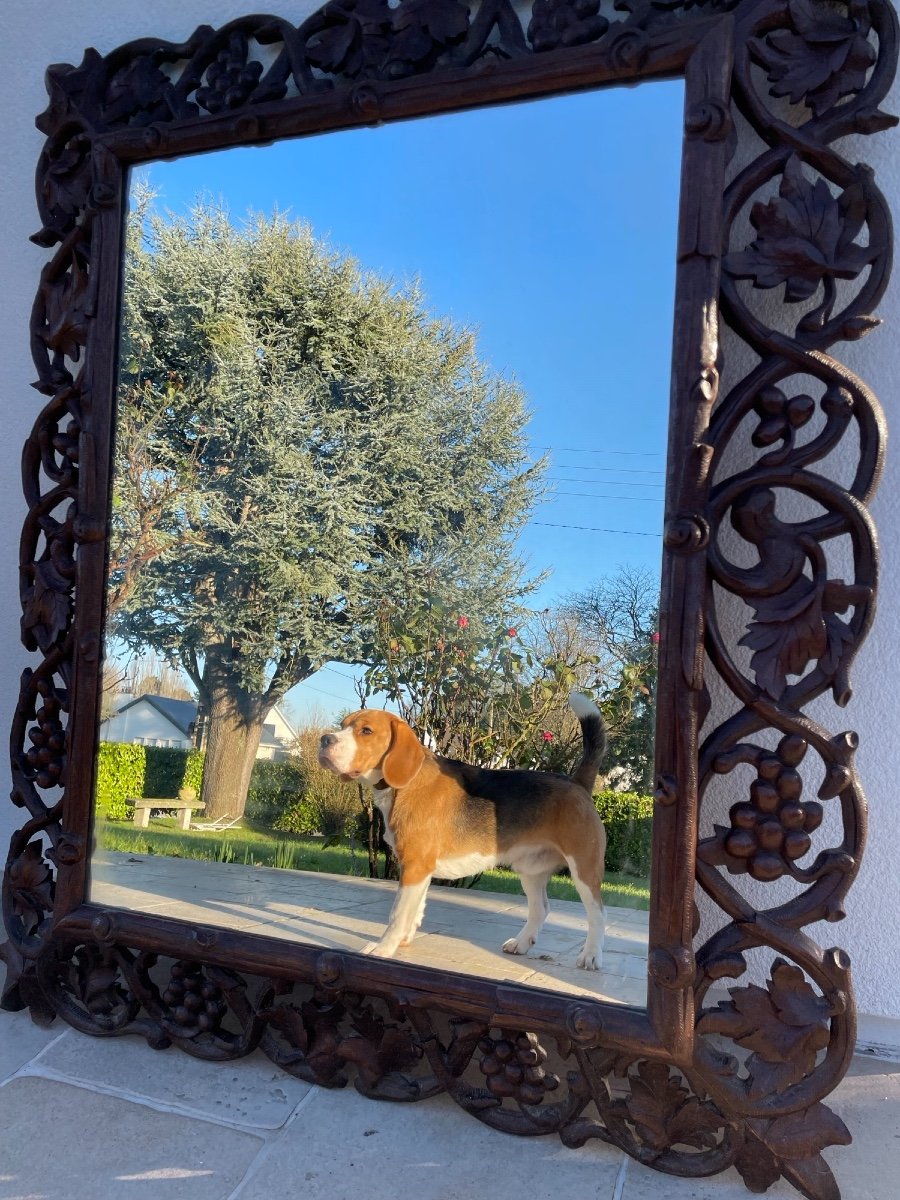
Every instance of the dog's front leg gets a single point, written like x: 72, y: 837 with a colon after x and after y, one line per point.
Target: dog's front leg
x: 409, y: 904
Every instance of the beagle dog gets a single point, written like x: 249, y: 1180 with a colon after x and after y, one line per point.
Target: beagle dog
x: 447, y: 819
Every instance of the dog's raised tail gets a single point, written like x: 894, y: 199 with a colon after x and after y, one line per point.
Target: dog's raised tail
x: 593, y: 731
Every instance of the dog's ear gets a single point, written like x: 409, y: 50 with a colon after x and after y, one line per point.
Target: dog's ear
x: 405, y: 756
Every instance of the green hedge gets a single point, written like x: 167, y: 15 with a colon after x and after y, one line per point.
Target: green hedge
x: 125, y: 770
x: 628, y: 817
x: 276, y: 788
x: 168, y: 770
x: 120, y: 774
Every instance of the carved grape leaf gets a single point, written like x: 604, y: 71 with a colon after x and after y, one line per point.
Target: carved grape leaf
x: 48, y: 604
x: 65, y: 296
x: 798, y: 626
x: 287, y: 1019
x: 757, y: 1165
x: 395, y: 1052
x: 791, y: 1146
x: 824, y: 57
x: 68, y: 179
x: 313, y: 1031
x: 665, y: 1114
x: 138, y: 86
x: 96, y: 982
x: 804, y: 235
x: 422, y: 26
x: 30, y: 882
x: 784, y: 1025
x: 355, y: 36
x: 802, y: 1134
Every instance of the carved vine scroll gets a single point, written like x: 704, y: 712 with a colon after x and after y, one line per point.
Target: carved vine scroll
x: 758, y: 521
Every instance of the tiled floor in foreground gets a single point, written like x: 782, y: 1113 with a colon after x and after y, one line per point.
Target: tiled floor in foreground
x: 463, y: 929
x: 84, y: 1118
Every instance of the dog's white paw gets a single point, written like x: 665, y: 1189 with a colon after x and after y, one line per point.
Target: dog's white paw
x: 588, y: 962
x: 380, y: 949
x: 517, y: 945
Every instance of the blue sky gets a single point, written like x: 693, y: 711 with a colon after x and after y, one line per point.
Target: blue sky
x: 549, y: 226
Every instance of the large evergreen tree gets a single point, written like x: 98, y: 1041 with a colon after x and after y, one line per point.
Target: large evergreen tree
x: 297, y: 440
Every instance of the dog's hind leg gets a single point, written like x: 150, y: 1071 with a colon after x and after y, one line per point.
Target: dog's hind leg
x: 535, y: 888
x: 588, y: 883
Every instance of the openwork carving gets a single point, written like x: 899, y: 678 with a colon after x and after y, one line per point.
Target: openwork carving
x: 792, y: 250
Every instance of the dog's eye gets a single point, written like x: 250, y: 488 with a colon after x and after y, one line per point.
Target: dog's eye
x: 365, y: 729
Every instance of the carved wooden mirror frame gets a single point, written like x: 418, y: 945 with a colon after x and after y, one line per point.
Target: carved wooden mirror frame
x: 658, y: 1083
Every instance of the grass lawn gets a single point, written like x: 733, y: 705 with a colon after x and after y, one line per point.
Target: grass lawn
x: 262, y: 848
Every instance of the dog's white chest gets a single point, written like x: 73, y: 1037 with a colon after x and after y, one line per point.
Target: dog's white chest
x: 384, y: 802
x: 460, y: 865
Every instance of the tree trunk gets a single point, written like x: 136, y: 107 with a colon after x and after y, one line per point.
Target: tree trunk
x: 231, y: 747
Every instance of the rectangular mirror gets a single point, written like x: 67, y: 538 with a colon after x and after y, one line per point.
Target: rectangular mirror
x: 350, y: 448
x: 400, y: 444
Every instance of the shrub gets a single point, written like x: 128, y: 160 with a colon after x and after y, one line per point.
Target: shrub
x: 125, y: 770
x: 333, y: 805
x: 276, y: 785
x: 120, y: 775
x: 169, y: 770
x: 628, y: 817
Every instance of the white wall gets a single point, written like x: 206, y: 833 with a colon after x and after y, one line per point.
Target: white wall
x: 57, y: 31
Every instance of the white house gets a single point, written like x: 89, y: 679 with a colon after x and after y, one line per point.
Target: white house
x: 161, y: 721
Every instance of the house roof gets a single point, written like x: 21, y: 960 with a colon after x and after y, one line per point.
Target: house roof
x: 183, y: 713
x: 180, y: 713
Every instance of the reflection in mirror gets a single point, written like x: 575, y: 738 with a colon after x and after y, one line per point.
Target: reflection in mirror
x: 391, y: 435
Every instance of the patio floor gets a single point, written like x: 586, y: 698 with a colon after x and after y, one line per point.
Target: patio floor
x: 463, y: 929
x: 86, y: 1119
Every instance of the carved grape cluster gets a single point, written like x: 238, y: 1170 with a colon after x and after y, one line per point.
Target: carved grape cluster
x: 65, y: 442
x: 194, y: 1002
x: 46, y: 755
x: 565, y: 23
x: 512, y: 1067
x: 772, y: 830
x: 229, y: 80
x: 779, y: 415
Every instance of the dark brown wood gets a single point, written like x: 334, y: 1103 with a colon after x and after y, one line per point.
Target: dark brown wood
x: 802, y: 74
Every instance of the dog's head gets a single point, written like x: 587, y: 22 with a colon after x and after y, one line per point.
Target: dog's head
x: 372, y: 744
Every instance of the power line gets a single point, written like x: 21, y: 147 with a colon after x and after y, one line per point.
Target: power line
x: 617, y: 470
x: 322, y: 692
x: 596, y: 496
x: 644, y: 483
x: 342, y: 674
x: 587, y: 450
x: 596, y: 529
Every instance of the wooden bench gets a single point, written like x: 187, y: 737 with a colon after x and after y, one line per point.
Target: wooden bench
x: 183, y: 808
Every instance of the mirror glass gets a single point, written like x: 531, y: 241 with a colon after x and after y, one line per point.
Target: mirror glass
x: 391, y: 435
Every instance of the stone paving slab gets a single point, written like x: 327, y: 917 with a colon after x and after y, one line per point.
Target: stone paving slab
x: 61, y: 1142
x: 253, y: 1093
x: 21, y: 1040
x: 430, y: 1151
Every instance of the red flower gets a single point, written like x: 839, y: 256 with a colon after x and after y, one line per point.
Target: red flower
x: 547, y: 735
x: 511, y: 632
x: 462, y: 622
x: 654, y: 638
